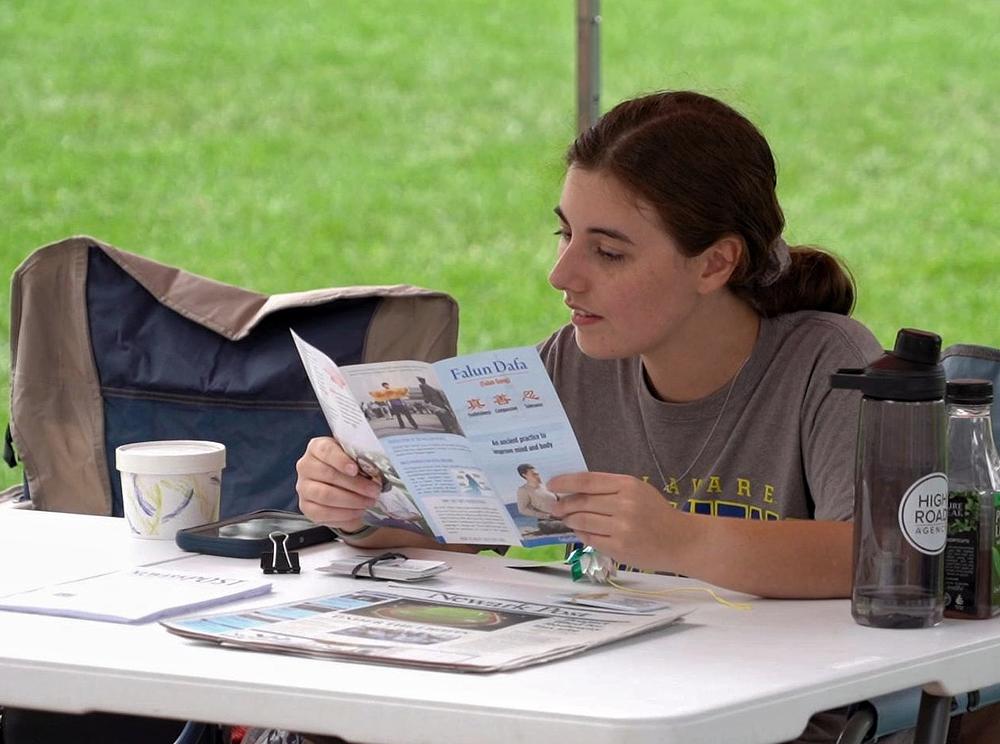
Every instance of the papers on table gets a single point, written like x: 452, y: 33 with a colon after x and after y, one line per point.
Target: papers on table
x: 391, y: 567
x: 134, y: 595
x: 425, y: 626
x: 613, y: 601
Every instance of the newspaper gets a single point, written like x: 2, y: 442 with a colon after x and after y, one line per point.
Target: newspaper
x: 461, y: 448
x: 430, y: 627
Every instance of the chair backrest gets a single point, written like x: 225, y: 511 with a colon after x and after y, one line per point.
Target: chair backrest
x: 108, y: 347
x: 979, y: 362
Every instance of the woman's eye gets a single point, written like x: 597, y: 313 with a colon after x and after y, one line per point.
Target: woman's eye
x: 609, y: 255
x: 562, y: 233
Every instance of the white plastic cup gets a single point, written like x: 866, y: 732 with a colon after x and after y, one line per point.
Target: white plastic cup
x: 170, y: 485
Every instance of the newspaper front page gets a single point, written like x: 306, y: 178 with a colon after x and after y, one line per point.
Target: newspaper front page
x: 424, y: 626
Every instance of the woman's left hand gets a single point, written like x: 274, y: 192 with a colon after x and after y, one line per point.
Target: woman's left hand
x: 621, y: 516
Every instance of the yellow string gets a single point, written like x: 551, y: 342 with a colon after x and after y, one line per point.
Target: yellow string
x: 663, y: 592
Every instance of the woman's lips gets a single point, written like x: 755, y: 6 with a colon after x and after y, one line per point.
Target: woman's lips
x: 583, y: 318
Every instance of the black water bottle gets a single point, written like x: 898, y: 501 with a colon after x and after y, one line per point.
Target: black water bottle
x: 901, y: 490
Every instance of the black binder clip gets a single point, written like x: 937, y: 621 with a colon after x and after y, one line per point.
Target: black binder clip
x: 366, y: 569
x: 279, y: 559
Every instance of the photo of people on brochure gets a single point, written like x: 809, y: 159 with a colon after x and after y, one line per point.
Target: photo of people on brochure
x: 534, y: 505
x: 408, y: 406
x: 394, y: 507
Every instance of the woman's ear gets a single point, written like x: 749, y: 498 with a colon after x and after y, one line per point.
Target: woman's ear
x: 719, y: 261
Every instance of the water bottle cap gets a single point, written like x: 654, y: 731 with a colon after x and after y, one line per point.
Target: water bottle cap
x: 970, y: 392
x: 919, y: 347
x: 910, y: 372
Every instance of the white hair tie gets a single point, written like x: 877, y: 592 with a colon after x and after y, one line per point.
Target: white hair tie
x: 778, y: 260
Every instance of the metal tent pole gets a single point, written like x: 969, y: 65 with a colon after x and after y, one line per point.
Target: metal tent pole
x: 588, y: 63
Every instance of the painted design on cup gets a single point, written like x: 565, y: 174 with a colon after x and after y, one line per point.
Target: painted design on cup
x: 159, y: 505
x: 169, y: 485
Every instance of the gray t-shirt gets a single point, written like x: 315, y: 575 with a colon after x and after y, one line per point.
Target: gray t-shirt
x: 783, y: 446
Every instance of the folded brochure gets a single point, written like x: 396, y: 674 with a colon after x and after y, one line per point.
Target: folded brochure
x: 135, y: 595
x: 461, y: 448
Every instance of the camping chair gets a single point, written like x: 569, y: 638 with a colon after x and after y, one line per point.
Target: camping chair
x: 108, y: 347
x: 876, y: 718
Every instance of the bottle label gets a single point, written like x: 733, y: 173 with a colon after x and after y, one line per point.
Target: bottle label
x: 923, y: 513
x: 963, y: 559
x: 995, y: 553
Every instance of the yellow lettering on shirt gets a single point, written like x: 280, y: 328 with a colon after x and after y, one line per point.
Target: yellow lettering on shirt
x: 768, y: 493
x: 672, y: 487
x: 696, y: 484
x: 743, y: 487
x: 714, y: 485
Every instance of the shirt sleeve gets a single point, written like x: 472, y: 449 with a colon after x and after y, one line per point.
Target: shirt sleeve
x: 830, y: 422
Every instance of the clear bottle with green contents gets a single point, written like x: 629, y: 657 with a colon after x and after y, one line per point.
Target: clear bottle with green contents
x: 972, y: 550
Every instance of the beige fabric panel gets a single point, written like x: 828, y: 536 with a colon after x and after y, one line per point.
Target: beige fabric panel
x: 220, y: 307
x: 413, y: 328
x: 57, y: 417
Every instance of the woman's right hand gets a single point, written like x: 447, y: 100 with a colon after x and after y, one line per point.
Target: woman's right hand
x: 331, y: 491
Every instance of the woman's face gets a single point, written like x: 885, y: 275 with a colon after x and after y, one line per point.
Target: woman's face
x: 628, y: 286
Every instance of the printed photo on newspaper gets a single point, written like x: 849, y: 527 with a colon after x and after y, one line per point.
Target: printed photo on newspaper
x: 461, y: 448
x: 429, y: 627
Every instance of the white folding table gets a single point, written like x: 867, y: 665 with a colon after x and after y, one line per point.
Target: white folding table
x: 721, y: 675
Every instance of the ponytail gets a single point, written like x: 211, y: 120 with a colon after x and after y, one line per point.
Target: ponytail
x: 813, y: 280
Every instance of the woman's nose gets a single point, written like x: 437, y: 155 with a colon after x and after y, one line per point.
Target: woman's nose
x: 565, y: 275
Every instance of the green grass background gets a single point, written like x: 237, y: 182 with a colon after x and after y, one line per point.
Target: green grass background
x: 294, y: 144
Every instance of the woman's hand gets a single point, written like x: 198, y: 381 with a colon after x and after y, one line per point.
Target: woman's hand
x: 630, y: 521
x: 330, y: 489
x: 622, y: 517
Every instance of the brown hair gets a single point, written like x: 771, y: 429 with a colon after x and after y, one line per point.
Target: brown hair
x: 709, y: 172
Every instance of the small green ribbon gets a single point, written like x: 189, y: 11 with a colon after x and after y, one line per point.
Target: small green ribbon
x: 575, y: 569
x: 591, y: 564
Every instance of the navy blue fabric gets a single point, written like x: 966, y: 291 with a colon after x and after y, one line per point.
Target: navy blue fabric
x: 262, y: 444
x: 165, y: 377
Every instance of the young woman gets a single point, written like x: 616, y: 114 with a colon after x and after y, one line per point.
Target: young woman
x: 695, y: 369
